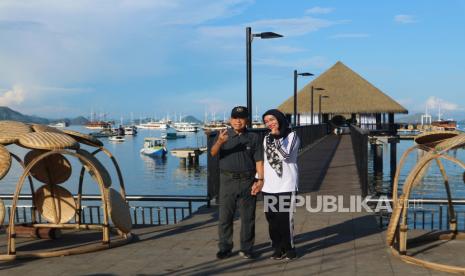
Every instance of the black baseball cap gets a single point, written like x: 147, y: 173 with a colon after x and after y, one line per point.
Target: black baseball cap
x: 240, y: 112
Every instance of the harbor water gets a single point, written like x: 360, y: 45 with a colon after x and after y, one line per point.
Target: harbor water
x: 143, y: 175
x: 432, y: 185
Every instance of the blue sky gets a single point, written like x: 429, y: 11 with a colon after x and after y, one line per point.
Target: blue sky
x: 66, y: 57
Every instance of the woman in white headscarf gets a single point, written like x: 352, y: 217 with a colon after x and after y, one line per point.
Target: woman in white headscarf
x: 281, y: 146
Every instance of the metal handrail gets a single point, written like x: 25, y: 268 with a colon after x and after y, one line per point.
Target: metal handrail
x: 152, y: 215
x: 435, y: 217
x: 423, y: 200
x: 95, y: 197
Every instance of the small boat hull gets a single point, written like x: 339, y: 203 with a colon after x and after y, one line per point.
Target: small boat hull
x: 118, y: 139
x: 154, y: 152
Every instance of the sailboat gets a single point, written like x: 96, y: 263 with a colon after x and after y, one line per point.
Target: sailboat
x: 256, y: 123
x: 214, y: 124
x: 449, y: 124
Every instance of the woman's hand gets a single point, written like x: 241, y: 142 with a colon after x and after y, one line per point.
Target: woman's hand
x: 275, y: 131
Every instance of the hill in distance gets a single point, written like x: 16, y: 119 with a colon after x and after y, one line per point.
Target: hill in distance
x: 191, y: 119
x: 7, y: 113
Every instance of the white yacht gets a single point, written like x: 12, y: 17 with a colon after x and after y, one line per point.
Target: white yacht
x: 130, y: 130
x: 185, y: 127
x: 154, y: 125
x: 116, y: 138
x: 59, y: 125
x: 215, y: 125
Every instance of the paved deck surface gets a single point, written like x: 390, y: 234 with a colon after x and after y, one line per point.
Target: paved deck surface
x: 327, y: 243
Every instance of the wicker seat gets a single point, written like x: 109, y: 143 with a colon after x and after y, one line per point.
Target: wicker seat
x: 44, y: 128
x: 53, y: 169
x: 2, y: 212
x: 437, y: 146
x: 84, y: 138
x: 55, y: 203
x: 431, y: 139
x: 10, y: 131
x: 47, y: 141
x: 98, y: 165
x: 47, y: 163
x: 5, y: 161
x: 119, y: 211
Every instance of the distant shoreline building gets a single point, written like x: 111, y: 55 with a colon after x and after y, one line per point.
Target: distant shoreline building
x: 348, y: 95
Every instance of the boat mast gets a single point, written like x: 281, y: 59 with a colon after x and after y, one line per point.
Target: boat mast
x: 439, y: 110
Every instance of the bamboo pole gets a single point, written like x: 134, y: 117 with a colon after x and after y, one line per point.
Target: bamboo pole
x: 31, y: 186
x: 452, y: 220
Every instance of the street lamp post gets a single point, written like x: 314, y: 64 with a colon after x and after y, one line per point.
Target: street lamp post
x: 311, y: 101
x: 319, y: 108
x: 295, y: 92
x: 248, y: 49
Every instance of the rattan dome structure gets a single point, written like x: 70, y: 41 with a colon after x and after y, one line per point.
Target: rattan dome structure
x: 435, y: 148
x: 45, y: 162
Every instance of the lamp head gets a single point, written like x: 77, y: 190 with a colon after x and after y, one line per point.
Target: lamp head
x: 267, y: 35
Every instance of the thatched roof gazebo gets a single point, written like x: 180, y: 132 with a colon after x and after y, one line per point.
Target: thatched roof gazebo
x: 349, y: 94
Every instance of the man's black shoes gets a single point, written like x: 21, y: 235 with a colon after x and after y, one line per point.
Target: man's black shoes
x: 246, y: 254
x: 223, y: 254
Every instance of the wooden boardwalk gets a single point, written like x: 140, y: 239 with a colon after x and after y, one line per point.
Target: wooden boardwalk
x: 327, y: 243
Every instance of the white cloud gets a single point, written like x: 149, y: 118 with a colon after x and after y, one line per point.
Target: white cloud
x: 53, y: 89
x: 404, y: 19
x: 13, y: 96
x: 297, y: 26
x: 319, y: 10
x: 283, y: 49
x: 434, y: 102
x: 55, y: 43
x: 349, y: 35
x: 313, y: 62
x: 214, y: 107
x: 293, y: 26
x: 228, y: 41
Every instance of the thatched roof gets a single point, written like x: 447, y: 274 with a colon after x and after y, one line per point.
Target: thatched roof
x: 348, y: 93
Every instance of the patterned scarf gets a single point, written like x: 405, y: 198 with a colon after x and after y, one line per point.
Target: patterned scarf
x: 272, y: 155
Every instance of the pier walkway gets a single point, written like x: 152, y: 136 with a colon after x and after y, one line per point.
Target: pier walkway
x: 327, y: 243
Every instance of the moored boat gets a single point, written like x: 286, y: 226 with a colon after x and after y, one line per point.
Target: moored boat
x: 130, y: 130
x: 214, y: 125
x: 116, y: 138
x: 99, y: 125
x: 59, y: 125
x: 154, y: 125
x: 155, y: 147
x: 185, y: 127
x: 445, y: 124
x: 172, y: 136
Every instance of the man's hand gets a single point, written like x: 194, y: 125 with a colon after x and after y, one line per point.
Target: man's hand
x: 257, y: 187
x: 223, y: 136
